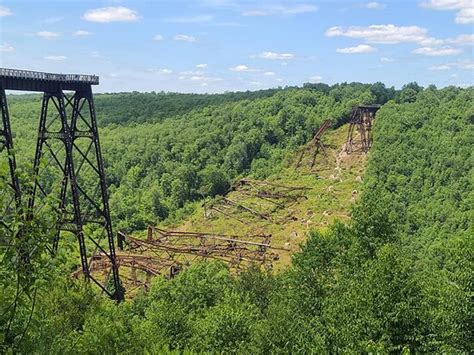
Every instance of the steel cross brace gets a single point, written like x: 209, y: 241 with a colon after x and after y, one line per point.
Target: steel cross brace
x: 69, y: 159
x: 6, y: 142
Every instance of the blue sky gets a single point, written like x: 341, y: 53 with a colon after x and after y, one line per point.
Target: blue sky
x: 222, y: 45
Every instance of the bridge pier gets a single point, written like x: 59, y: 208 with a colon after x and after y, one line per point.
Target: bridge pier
x: 6, y: 144
x: 69, y: 137
x: 361, y: 121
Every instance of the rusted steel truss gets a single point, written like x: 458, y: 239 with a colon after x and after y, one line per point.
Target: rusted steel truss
x: 12, y: 197
x: 265, y: 189
x: 315, y: 146
x: 361, y: 122
x: 166, y: 252
x: 68, y: 168
x: 238, y: 251
x: 141, y: 269
x: 271, y: 196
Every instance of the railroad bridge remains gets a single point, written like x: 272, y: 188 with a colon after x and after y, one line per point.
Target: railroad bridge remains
x: 68, y: 165
x: 68, y: 153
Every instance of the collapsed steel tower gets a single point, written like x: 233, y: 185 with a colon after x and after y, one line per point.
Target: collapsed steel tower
x: 316, y: 144
x: 362, y: 118
x: 68, y: 165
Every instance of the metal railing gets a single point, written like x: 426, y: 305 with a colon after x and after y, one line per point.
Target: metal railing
x: 35, y: 75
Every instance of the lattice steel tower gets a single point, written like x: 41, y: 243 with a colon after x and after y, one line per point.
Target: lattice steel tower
x: 67, y: 165
x: 361, y: 121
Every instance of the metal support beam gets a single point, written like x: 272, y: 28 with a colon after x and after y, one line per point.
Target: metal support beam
x: 83, y: 100
x: 361, y: 121
x: 6, y: 143
x: 68, y: 166
x: 316, y: 144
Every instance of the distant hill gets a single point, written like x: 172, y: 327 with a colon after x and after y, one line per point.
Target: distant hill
x: 135, y: 107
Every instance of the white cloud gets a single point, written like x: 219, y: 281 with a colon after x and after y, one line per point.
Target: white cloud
x: 280, y: 10
x: 192, y: 72
x: 256, y: 83
x: 5, y: 11
x: 465, y: 14
x: 361, y: 48
x: 316, y: 79
x: 447, y: 4
x: 158, y: 37
x: 374, y: 5
x: 111, y: 14
x: 55, y: 58
x: 206, y: 79
x: 81, y: 33
x: 198, y: 78
x: 387, y: 59
x: 279, y: 80
x: 430, y: 41
x: 465, y: 64
x: 439, y: 67
x: 461, y: 40
x: 436, y: 52
x: 47, y: 34
x: 269, y: 73
x: 385, y: 34
x: 242, y: 68
x: 165, y: 71
x: 201, y: 66
x: 184, y: 38
x: 462, y: 64
x: 190, y: 19
x: 5, y: 47
x: 275, y: 56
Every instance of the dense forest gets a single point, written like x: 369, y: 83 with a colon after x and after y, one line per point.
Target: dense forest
x: 397, y: 278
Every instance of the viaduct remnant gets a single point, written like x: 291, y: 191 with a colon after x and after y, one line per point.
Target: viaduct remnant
x: 316, y: 144
x: 168, y: 252
x: 268, y: 196
x: 68, y: 166
x: 362, y: 118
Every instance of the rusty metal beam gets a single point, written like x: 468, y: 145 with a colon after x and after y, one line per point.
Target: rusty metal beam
x: 166, y: 252
x: 316, y: 144
x: 361, y: 121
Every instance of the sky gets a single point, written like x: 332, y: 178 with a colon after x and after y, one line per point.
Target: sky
x: 228, y: 45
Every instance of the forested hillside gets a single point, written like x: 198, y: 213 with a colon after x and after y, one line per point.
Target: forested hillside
x: 156, y: 168
x: 123, y: 108
x: 136, y: 107
x: 397, y: 277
